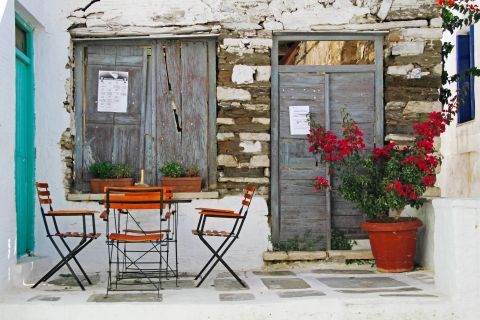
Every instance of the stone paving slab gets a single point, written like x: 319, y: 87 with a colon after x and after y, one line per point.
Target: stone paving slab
x: 274, y: 273
x: 228, y: 284
x: 236, y: 296
x: 422, y: 295
x: 340, y: 271
x: 43, y: 298
x: 380, y: 290
x: 362, y: 282
x: 300, y: 294
x: 126, y: 297
x: 285, y: 283
x: 67, y: 280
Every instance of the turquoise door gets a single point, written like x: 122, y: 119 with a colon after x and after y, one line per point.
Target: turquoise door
x: 24, y: 137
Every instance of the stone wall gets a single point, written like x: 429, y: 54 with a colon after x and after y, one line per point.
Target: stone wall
x: 412, y: 60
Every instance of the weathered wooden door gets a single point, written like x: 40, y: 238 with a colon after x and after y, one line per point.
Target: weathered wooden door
x: 302, y: 209
x: 24, y: 138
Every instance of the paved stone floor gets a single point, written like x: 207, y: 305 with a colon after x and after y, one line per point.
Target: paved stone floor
x: 333, y: 292
x: 262, y: 286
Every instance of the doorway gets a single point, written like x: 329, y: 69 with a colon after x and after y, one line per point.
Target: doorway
x: 324, y: 73
x: 24, y: 137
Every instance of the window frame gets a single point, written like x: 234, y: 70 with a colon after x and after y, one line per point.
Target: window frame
x: 466, y: 113
x: 79, y: 85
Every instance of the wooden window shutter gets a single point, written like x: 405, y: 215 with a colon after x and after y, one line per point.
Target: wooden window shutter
x: 464, y: 84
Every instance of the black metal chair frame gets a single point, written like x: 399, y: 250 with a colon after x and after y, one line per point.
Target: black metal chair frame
x: 85, y: 237
x: 163, y: 248
x: 233, y: 235
x: 129, y: 267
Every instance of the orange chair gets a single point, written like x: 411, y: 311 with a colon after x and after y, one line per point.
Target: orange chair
x: 136, y: 253
x: 230, y: 236
x: 53, y: 232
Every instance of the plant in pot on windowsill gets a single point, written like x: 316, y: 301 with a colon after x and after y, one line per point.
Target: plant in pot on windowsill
x: 107, y: 174
x: 180, y: 179
x: 381, y: 182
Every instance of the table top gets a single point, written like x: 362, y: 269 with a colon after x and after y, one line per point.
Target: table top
x: 166, y: 201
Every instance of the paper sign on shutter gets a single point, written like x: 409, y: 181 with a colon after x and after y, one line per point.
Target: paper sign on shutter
x: 299, y: 124
x: 112, y: 91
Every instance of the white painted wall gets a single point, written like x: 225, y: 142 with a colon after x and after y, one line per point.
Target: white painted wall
x: 7, y: 141
x: 460, y: 144
x: 457, y: 253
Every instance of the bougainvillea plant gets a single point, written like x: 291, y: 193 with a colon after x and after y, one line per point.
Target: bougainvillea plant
x: 391, y: 177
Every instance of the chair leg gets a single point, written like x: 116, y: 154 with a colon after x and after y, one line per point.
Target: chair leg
x: 76, y: 261
x: 64, y: 261
x: 219, y: 259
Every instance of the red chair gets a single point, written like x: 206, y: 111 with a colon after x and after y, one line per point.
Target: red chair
x: 231, y: 236
x: 135, y: 253
x: 53, y: 232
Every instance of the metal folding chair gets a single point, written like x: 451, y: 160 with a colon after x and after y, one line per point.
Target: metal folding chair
x: 170, y: 228
x: 53, y: 232
x: 230, y: 237
x: 135, y: 254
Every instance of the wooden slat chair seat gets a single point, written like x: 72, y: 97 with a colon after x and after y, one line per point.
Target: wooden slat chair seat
x: 71, y: 212
x: 212, y: 233
x: 78, y: 235
x: 52, y: 227
x: 237, y: 218
x: 135, y: 238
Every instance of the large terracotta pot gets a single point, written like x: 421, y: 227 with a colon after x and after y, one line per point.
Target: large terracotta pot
x: 98, y: 185
x: 393, y: 243
x: 184, y: 184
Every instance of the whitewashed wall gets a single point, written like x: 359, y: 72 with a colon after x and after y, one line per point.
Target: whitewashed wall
x: 460, y: 144
x: 457, y: 253
x: 7, y: 141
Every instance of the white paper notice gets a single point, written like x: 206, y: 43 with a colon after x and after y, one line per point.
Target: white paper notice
x: 112, y: 91
x: 299, y: 120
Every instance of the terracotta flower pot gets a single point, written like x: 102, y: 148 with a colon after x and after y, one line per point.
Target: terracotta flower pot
x: 393, y: 243
x: 184, y: 184
x: 98, y: 185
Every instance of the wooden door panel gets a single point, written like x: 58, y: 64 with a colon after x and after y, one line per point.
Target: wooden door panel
x: 113, y: 136
x: 360, y: 104
x: 194, y: 109
x: 182, y: 104
x: 301, y: 207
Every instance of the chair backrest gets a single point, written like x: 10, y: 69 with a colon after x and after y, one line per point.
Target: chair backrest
x: 136, y: 198
x: 247, y: 199
x: 43, y: 195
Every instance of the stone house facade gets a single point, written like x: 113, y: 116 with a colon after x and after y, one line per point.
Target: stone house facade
x: 245, y: 30
x: 244, y: 33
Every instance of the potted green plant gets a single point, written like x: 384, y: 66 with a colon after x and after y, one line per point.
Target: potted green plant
x: 107, y: 174
x: 181, y: 179
x: 381, y: 182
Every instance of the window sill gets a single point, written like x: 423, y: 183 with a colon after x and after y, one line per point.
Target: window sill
x: 179, y: 195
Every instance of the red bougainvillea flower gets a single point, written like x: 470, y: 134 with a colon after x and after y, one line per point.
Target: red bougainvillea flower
x: 405, y: 191
x: 326, y: 144
x: 321, y: 183
x: 442, y: 2
x: 384, y: 152
x: 429, y: 180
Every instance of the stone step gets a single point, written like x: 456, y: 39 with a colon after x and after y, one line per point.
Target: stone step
x: 269, y: 256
